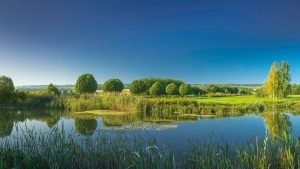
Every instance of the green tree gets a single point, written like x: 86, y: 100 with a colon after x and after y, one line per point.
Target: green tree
x: 113, y: 85
x: 7, y: 89
x: 157, y: 89
x: 172, y: 89
x: 278, y: 82
x: 295, y: 89
x: 185, y: 89
x: 272, y: 85
x: 214, y: 89
x: 138, y: 87
x: 53, y: 90
x: 285, y: 79
x: 86, y: 83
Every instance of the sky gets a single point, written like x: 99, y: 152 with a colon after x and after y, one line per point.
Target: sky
x: 197, y: 41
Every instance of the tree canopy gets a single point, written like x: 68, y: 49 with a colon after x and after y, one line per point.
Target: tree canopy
x: 157, y: 89
x: 7, y: 89
x: 172, y: 89
x: 86, y: 83
x: 185, y: 89
x: 138, y: 87
x: 113, y: 85
x: 278, y: 81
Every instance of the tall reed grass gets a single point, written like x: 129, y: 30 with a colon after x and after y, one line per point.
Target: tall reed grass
x: 58, y: 150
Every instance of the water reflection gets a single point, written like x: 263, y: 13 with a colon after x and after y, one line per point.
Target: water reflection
x: 85, y: 126
x: 167, y: 126
x: 278, y: 124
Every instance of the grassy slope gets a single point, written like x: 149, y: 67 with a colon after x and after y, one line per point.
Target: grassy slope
x: 242, y: 99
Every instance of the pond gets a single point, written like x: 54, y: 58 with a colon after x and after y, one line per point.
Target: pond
x: 174, y: 130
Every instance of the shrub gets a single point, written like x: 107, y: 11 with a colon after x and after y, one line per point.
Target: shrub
x: 214, y: 89
x: 86, y: 84
x: 157, y: 89
x: 53, y: 90
x: 197, y: 90
x: 172, y: 89
x: 7, y: 89
x: 185, y: 89
x: 138, y: 87
x: 113, y: 85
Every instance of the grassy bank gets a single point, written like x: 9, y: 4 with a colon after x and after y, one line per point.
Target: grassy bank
x: 123, y: 102
x: 56, y: 150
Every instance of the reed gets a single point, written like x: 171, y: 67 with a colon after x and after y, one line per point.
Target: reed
x: 56, y: 149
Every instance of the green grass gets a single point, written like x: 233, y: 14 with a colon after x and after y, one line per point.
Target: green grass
x: 242, y: 99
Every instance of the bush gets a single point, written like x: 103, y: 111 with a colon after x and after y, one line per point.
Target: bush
x: 172, y: 89
x: 197, y: 91
x: 7, y: 89
x: 53, y: 90
x: 185, y: 89
x: 138, y: 87
x: 165, y: 81
x: 86, y: 84
x: 214, y: 89
x: 113, y: 85
x: 157, y: 89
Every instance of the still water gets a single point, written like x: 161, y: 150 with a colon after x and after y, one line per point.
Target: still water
x: 174, y: 130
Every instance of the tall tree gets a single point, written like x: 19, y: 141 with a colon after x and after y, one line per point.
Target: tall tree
x: 272, y: 84
x: 285, y: 79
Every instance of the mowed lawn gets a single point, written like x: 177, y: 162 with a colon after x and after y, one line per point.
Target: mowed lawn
x: 243, y: 99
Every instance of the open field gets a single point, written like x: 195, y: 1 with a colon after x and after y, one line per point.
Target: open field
x: 243, y: 99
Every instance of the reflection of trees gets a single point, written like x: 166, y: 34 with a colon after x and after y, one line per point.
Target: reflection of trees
x: 121, y: 120
x: 6, y: 124
x: 277, y: 124
x: 85, y: 126
x: 52, y: 121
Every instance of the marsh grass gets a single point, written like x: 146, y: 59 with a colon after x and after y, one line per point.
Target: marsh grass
x: 56, y: 149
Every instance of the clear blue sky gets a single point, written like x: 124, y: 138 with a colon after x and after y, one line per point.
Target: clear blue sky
x: 43, y: 41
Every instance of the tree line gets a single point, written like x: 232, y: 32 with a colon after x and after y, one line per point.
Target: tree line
x: 276, y: 86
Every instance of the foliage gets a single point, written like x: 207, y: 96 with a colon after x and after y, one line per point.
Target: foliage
x: 113, y: 85
x: 172, y: 89
x: 185, y: 89
x: 278, y: 82
x: 86, y: 83
x: 7, y: 89
x: 214, y: 89
x: 295, y: 89
x: 260, y: 92
x: 157, y: 89
x: 138, y: 87
x: 196, y: 90
x: 285, y: 79
x: 53, y: 90
x: 164, y: 81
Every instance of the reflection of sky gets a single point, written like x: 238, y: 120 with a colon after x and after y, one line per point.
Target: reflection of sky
x: 195, y: 41
x: 233, y: 130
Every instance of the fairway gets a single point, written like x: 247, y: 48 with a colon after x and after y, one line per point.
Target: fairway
x: 243, y: 99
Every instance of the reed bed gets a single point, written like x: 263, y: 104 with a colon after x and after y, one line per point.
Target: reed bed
x: 58, y: 150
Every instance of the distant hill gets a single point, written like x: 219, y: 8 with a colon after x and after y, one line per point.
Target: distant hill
x: 42, y: 87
